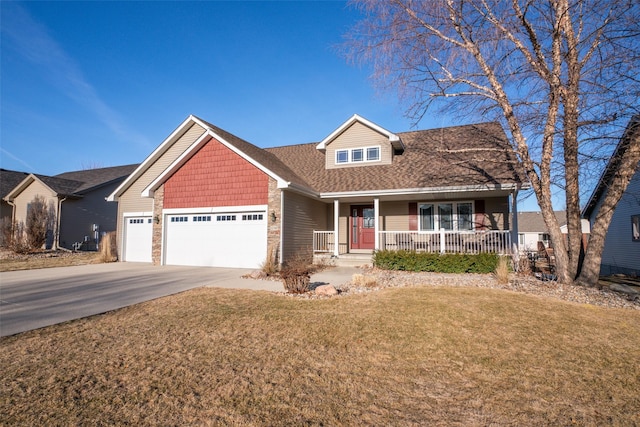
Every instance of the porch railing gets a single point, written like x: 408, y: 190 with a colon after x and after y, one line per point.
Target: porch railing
x: 442, y: 241
x: 466, y: 242
x: 323, y: 241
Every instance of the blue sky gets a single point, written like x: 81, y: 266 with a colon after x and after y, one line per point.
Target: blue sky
x: 96, y: 84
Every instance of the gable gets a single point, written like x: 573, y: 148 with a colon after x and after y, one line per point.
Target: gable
x: 31, y: 190
x: 216, y: 176
x: 355, y: 137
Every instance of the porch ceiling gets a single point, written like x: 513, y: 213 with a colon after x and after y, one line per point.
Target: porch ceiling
x: 418, y: 196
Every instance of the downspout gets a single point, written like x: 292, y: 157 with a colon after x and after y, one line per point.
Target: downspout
x: 281, y: 234
x: 58, y: 221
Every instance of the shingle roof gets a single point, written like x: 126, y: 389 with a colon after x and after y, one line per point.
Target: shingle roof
x: 265, y: 157
x: 9, y: 179
x: 91, y: 178
x: 532, y: 222
x: 477, y: 154
x: 74, y: 183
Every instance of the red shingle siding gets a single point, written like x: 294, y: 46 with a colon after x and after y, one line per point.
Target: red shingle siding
x: 216, y: 176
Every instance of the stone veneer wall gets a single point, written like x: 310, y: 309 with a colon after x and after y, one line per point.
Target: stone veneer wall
x: 156, y: 239
x: 273, y: 228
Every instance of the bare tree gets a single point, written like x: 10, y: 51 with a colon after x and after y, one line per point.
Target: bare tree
x: 561, y: 75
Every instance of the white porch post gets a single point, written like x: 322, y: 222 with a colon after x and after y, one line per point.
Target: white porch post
x: 514, y: 225
x: 336, y: 222
x: 376, y: 224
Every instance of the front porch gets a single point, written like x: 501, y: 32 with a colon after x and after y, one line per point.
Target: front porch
x: 443, y: 241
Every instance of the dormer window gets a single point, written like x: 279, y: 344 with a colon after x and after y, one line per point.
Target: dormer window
x: 358, y: 155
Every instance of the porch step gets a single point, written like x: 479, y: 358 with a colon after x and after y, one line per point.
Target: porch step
x: 344, y: 260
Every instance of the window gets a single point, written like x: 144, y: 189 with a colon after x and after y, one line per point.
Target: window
x: 544, y: 237
x: 252, y: 217
x: 450, y: 216
x: 358, y: 155
x: 179, y: 219
x: 342, y: 156
x: 635, y: 228
x: 226, y: 218
x: 465, y: 216
x: 202, y: 218
x: 373, y: 154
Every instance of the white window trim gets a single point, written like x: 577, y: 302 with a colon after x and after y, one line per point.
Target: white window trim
x: 436, y: 215
x: 364, y: 155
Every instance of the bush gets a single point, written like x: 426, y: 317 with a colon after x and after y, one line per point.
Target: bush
x: 40, y: 222
x: 296, y: 274
x: 502, y: 270
x: 108, y: 248
x: 270, y: 265
x: 437, y: 263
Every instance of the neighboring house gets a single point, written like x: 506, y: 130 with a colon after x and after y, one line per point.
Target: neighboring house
x: 77, y: 200
x: 8, y: 180
x: 206, y: 197
x: 532, y: 229
x: 621, y: 253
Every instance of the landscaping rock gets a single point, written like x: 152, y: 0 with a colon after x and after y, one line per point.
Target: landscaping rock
x: 619, y: 287
x: 326, y: 290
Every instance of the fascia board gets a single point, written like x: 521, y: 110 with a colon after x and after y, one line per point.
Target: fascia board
x: 184, y: 157
x: 175, y: 165
x: 413, y: 191
x: 26, y: 182
x: 181, y: 129
x: 393, y: 138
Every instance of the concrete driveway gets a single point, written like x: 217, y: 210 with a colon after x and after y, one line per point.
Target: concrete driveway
x: 33, y: 299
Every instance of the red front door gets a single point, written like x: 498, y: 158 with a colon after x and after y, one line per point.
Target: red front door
x: 362, y: 227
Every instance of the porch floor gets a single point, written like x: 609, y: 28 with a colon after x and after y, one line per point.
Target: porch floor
x: 345, y: 260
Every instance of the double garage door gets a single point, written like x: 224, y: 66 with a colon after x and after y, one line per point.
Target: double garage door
x: 234, y: 239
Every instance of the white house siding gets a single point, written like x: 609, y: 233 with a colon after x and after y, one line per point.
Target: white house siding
x: 358, y: 136
x: 131, y: 200
x: 621, y: 254
x: 302, y: 215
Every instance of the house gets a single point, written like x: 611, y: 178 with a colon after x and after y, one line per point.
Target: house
x: 621, y: 253
x: 8, y: 180
x: 206, y: 197
x: 532, y: 229
x: 77, y: 200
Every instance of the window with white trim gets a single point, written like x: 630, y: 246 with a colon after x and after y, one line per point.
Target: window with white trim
x: 358, y: 155
x: 225, y: 218
x: 635, y: 228
x: 452, y: 216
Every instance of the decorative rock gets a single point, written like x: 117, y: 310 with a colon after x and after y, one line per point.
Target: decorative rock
x: 619, y: 287
x: 326, y: 290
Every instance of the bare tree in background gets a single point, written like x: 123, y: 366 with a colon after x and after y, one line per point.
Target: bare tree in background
x: 561, y: 75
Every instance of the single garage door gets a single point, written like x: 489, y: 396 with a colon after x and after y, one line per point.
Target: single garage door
x: 235, y: 239
x: 137, y: 240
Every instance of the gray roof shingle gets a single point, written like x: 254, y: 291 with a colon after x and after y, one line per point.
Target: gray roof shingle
x: 9, y: 179
x: 477, y: 154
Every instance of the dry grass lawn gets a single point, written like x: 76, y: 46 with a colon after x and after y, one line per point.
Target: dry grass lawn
x: 12, y: 262
x: 411, y: 356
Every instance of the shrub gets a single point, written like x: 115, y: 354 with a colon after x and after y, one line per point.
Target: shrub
x: 502, y: 270
x: 296, y: 274
x: 39, y: 223
x: 108, y: 248
x: 437, y: 263
x: 270, y: 265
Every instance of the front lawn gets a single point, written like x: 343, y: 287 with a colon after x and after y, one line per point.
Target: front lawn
x: 408, y: 356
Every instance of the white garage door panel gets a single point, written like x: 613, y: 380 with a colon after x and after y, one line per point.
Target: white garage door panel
x: 138, y: 232
x: 231, y: 240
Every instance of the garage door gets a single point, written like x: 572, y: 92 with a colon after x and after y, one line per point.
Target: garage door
x: 137, y: 241
x: 235, y: 239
